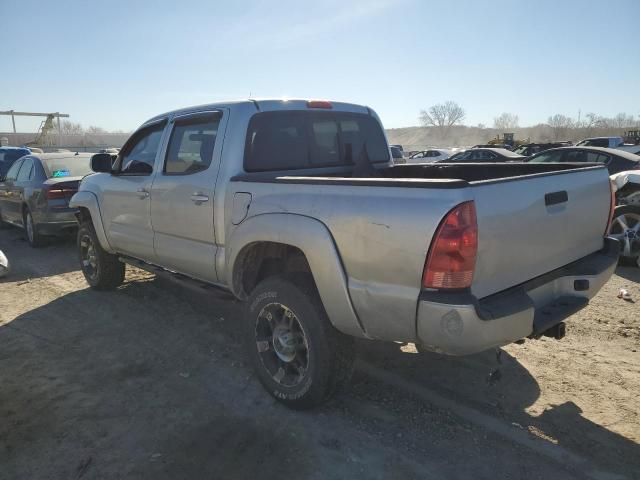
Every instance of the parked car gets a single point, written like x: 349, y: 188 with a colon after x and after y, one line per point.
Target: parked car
x: 635, y: 149
x: 297, y: 209
x: 428, y: 156
x: 530, y: 149
x: 397, y: 155
x: 625, y: 226
x: 8, y: 155
x: 35, y: 193
x: 493, y: 145
x: 615, y: 160
x: 604, y: 142
x: 479, y: 155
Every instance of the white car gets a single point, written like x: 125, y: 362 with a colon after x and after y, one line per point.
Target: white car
x: 429, y: 156
x: 635, y: 149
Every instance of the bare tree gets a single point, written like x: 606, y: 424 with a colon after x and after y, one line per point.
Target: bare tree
x: 443, y: 116
x: 560, y: 125
x: 622, y: 120
x: 94, y: 129
x: 592, y: 122
x: 70, y: 128
x: 506, y: 121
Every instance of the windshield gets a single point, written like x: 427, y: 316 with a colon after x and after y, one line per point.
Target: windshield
x: 76, y: 166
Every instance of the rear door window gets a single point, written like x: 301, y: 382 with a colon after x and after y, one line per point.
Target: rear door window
x: 298, y: 139
x: 191, y: 145
x: 548, y: 157
x: 574, y: 156
x: 26, y: 171
x: 596, y: 157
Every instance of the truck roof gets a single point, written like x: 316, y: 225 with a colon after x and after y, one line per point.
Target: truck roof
x: 264, y: 105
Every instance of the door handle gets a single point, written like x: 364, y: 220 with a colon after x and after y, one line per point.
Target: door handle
x: 142, y: 193
x: 199, y: 198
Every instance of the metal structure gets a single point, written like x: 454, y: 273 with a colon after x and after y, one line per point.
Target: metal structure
x: 45, y: 126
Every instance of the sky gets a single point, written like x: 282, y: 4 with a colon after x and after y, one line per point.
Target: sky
x: 115, y: 64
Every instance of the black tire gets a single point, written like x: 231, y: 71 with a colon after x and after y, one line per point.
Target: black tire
x: 329, y: 353
x: 102, y: 270
x: 632, y: 220
x: 31, y: 233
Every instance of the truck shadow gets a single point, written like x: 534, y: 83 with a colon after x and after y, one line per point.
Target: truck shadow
x: 124, y: 380
x: 506, y: 389
x: 57, y: 256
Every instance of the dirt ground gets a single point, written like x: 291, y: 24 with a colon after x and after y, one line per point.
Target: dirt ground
x: 150, y: 381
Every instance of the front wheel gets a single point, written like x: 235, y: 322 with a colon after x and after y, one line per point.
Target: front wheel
x: 299, y: 357
x: 102, y: 270
x: 625, y: 227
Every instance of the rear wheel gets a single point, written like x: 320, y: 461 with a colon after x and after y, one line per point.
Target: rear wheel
x: 102, y: 270
x: 298, y: 356
x: 625, y: 227
x: 31, y: 230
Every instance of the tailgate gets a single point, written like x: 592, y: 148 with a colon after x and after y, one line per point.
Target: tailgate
x: 531, y: 225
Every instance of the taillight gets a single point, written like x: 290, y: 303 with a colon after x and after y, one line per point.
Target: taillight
x: 452, y: 255
x: 612, y: 207
x: 319, y: 104
x: 60, y: 193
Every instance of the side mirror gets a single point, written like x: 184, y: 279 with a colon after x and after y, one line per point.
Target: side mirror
x: 101, y: 162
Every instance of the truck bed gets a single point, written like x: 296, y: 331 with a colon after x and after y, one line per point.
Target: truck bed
x: 532, y: 219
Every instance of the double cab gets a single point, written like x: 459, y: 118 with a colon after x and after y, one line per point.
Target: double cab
x: 295, y: 208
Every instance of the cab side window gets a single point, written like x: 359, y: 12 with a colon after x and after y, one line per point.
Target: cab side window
x: 139, y: 156
x: 191, y: 145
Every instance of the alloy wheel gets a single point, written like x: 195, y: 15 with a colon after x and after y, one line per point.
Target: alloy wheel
x: 88, y: 256
x: 626, y: 229
x: 282, y: 344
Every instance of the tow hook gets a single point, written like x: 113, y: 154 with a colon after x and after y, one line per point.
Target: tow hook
x: 557, y: 331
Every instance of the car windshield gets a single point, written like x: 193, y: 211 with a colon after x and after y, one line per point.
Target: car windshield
x: 76, y: 166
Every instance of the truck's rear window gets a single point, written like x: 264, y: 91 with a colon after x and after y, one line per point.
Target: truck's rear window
x: 290, y: 140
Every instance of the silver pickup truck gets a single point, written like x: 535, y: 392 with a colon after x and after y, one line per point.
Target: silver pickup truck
x: 295, y: 208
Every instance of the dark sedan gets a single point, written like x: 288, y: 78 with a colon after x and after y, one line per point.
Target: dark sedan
x: 615, y: 160
x: 35, y: 193
x: 482, y: 155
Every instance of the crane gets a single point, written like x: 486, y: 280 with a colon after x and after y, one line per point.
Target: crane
x: 46, y: 126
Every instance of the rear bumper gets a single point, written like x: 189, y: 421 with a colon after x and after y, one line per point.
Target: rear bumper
x: 460, y: 324
x: 55, y: 221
